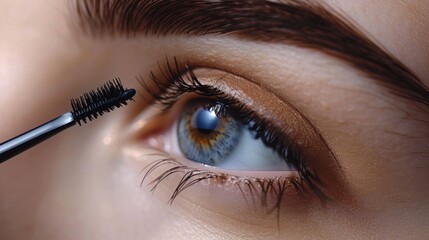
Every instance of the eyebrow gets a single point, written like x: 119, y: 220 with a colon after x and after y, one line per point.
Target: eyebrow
x: 305, y: 24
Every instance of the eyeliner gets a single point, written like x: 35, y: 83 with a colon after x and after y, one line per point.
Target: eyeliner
x: 88, y: 106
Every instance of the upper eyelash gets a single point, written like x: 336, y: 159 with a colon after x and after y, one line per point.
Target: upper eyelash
x: 166, y: 92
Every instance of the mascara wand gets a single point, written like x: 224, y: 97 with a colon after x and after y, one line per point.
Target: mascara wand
x: 89, y: 106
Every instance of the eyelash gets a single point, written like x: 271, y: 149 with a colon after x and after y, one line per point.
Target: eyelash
x: 166, y: 92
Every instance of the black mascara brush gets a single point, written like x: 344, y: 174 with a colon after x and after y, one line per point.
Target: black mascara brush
x: 89, y: 106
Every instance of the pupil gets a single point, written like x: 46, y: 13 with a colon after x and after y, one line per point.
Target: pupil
x: 207, y: 133
x: 205, y: 121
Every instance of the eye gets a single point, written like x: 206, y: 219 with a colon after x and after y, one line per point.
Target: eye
x: 218, y: 128
x: 209, y: 133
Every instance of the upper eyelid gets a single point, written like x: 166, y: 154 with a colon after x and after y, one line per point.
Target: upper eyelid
x: 308, y: 21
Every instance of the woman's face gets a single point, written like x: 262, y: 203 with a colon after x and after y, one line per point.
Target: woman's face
x: 339, y: 110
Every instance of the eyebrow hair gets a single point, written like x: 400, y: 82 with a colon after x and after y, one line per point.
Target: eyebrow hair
x: 304, y: 24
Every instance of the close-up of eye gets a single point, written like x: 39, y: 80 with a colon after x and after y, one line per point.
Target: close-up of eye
x: 217, y: 133
x: 199, y: 119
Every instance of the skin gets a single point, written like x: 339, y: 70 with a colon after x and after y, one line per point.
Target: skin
x: 81, y: 185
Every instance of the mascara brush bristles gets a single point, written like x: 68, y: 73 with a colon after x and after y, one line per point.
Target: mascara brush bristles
x: 92, y: 104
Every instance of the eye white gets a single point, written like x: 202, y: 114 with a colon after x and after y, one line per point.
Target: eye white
x: 249, y: 154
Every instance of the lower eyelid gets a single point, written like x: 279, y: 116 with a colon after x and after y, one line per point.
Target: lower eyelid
x: 231, y: 193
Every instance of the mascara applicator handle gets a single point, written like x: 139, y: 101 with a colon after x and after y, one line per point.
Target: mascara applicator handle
x: 27, y: 140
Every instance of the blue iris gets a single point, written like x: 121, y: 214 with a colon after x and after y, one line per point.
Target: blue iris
x: 206, y: 136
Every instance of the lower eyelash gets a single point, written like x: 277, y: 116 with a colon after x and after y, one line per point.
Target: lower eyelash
x: 255, y: 191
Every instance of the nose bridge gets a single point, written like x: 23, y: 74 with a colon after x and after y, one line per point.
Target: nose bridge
x: 32, y: 35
